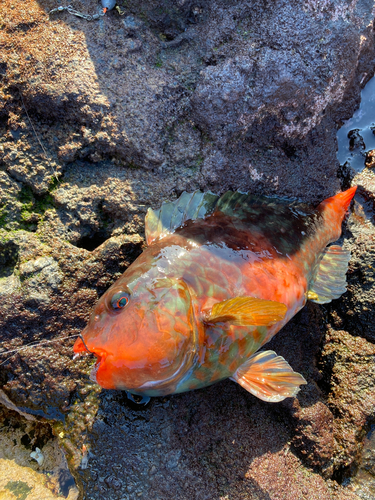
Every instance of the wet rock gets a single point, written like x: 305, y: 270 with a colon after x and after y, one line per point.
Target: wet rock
x: 355, y: 140
x: 11, y: 406
x: 23, y: 477
x: 370, y: 159
x: 363, y: 483
x: 100, y: 121
x: 190, y: 448
x: 152, y: 95
x: 356, y: 311
x: 352, y: 394
x: 315, y: 435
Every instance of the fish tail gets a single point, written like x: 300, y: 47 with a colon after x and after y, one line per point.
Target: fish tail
x: 343, y: 199
x: 337, y: 205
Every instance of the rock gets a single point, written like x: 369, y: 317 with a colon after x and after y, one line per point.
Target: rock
x: 196, y: 451
x: 23, y: 483
x: 9, y: 205
x: 352, y: 394
x: 54, y: 286
x: 363, y: 483
x: 42, y: 273
x: 22, y: 476
x: 11, y: 406
x: 100, y: 121
x: 218, y: 76
x: 9, y: 285
x: 314, y: 434
x: 356, y: 310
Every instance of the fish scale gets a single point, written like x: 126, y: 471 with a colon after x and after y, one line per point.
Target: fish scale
x: 219, y: 278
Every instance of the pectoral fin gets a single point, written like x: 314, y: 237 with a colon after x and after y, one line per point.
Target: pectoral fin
x: 268, y: 377
x: 244, y: 311
x: 330, y: 279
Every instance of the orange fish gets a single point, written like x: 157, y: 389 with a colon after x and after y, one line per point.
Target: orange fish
x: 219, y: 278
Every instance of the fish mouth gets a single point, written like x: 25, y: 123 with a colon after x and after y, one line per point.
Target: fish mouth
x: 95, y: 368
x: 100, y: 358
x: 80, y: 349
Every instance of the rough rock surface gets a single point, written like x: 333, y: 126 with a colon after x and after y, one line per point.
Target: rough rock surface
x: 21, y: 475
x: 100, y: 120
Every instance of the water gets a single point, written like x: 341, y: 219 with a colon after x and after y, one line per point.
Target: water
x: 356, y: 137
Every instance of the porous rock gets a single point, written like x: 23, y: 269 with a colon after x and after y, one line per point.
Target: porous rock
x: 238, y: 78
x: 101, y: 120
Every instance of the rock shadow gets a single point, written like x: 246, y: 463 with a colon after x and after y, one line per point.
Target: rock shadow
x: 191, y: 446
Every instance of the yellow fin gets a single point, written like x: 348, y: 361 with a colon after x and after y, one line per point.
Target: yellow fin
x: 330, y: 280
x: 268, y: 377
x: 243, y: 311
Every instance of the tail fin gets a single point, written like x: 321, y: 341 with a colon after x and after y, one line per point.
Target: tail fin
x: 334, y: 209
x: 343, y: 199
x: 340, y: 202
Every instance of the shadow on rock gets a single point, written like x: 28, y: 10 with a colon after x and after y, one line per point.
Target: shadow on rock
x: 195, y: 445
x: 177, y: 87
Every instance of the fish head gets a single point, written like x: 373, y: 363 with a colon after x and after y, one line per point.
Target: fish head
x: 144, y: 336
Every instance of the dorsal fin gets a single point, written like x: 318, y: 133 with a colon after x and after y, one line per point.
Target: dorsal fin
x: 173, y: 214
x: 263, y: 210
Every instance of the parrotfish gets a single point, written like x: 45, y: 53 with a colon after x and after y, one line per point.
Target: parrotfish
x: 219, y: 278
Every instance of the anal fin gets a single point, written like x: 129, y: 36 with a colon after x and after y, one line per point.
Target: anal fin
x: 268, y: 377
x: 330, y: 280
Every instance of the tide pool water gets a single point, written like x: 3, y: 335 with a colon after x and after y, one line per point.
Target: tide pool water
x: 353, y: 150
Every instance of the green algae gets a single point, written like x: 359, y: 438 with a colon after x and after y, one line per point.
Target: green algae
x: 35, y: 204
x: 20, y: 489
x: 72, y: 430
x: 3, y: 216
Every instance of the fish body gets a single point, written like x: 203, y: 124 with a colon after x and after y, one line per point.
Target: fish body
x: 219, y: 278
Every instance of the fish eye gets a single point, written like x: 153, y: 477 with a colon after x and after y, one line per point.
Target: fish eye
x: 119, y: 300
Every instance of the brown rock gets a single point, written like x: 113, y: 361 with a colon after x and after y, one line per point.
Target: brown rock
x: 100, y: 120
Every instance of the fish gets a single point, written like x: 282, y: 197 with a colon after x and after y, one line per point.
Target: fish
x: 220, y: 276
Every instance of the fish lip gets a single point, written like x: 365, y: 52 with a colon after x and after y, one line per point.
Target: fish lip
x: 82, y: 350
x: 100, y: 357
x: 94, y: 370
x: 80, y: 346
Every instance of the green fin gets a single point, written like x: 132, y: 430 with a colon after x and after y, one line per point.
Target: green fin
x: 173, y: 214
x: 276, y: 214
x: 268, y: 377
x: 245, y: 311
x: 330, y: 280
